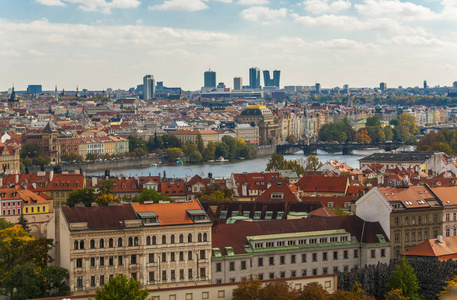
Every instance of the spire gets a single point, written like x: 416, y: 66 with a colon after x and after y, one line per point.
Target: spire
x: 13, y: 95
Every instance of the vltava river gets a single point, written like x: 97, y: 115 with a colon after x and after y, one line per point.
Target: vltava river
x: 239, y: 166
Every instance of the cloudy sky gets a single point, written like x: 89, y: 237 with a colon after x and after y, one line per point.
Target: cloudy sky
x: 97, y: 44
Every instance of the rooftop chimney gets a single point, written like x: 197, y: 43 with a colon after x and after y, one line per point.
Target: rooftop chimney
x: 440, y: 239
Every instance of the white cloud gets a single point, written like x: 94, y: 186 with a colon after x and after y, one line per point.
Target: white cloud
x: 395, y: 9
x: 224, y: 1
x: 324, y: 6
x: 417, y: 41
x: 51, y: 2
x: 252, y: 2
x: 37, y: 53
x: 9, y: 53
x: 104, y: 6
x: 262, y: 13
x: 182, y: 5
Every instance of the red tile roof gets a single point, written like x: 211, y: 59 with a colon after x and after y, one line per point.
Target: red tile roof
x: 170, y: 213
x: 433, y: 248
x: 173, y: 188
x: 279, y: 187
x: 320, y: 183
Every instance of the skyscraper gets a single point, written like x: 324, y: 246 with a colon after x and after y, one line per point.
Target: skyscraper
x: 318, y: 88
x: 454, y: 84
x: 149, y: 87
x: 383, y: 87
x: 210, y: 79
x: 254, y: 78
x: 266, y: 78
x: 276, y: 78
x: 237, y: 83
x: 425, y: 84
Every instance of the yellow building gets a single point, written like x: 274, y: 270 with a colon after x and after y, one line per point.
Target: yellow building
x: 60, y: 186
x: 16, y: 201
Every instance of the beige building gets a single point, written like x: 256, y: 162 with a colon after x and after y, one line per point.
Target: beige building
x: 447, y: 196
x: 408, y: 215
x: 161, y: 245
x: 269, y: 125
x: 294, y: 248
x: 191, y: 136
x: 9, y: 159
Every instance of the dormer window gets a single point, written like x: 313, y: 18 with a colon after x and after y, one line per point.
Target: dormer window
x: 198, y: 215
x: 149, y: 218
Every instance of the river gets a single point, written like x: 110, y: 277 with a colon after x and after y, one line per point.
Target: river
x: 239, y: 166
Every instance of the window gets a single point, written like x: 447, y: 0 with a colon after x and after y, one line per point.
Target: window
x: 448, y: 217
x: 151, y: 276
x: 102, y: 243
x: 172, y: 239
x: 292, y: 259
x: 324, y: 271
x: 76, y: 244
x: 345, y: 254
x: 133, y: 259
x: 243, y: 265
x: 92, y: 261
x: 151, y: 258
x: 396, y: 221
x: 202, y: 272
x: 111, y: 243
x: 181, y: 238
x: 232, y: 266
x: 202, y: 254
x: 218, y: 267
x: 205, y: 237
x: 111, y: 260
x: 282, y: 260
x: 92, y: 280
x: 130, y: 241
x: 102, y: 279
x: 260, y: 262
x: 181, y: 256
x: 164, y: 275
x: 448, y: 232
x: 181, y: 274
x: 324, y: 256
x: 172, y: 275
x: 335, y: 255
x: 199, y: 237
x: 189, y: 255
x: 303, y: 272
x: 373, y: 253
x: 282, y: 274
x: 260, y: 276
x: 356, y: 253
x: 272, y: 275
x: 172, y: 256
x: 164, y: 239
x: 148, y: 240
x: 335, y: 269
x: 79, y: 281
x: 303, y: 258
x: 272, y: 260
x: 314, y: 256
x: 154, y: 240
x: 102, y: 261
x: 164, y: 257
x: 189, y: 238
x: 383, y: 252
x: 79, y: 262
x: 189, y: 274
x: 119, y: 242
x: 92, y: 244
x: 314, y: 271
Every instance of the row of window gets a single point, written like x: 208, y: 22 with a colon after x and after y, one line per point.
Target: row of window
x: 152, y: 258
x: 134, y: 241
x: 301, y: 242
x: 8, y: 212
x: 293, y: 273
x: 454, y: 217
x: 412, y: 236
x: 412, y: 220
x: 11, y: 203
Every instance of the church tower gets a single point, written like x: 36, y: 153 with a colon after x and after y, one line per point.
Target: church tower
x: 13, y: 101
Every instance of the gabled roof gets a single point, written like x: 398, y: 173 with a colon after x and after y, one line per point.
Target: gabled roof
x: 278, y: 187
x: 173, y: 188
x: 447, y: 194
x: 410, y: 197
x: 433, y: 248
x: 98, y: 218
x: 320, y: 183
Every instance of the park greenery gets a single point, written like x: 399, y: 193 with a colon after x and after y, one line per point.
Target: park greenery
x: 444, y: 140
x: 25, y: 270
x: 215, y: 192
x: 121, y: 288
x: 412, y: 278
x: 278, y: 162
x: 401, y: 129
x: 32, y: 154
x: 197, y: 152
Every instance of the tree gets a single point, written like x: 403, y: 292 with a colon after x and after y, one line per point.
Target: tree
x: 222, y: 149
x: 24, y: 223
x: 200, y: 144
x: 27, y: 161
x: 41, y: 160
x: 209, y: 151
x: 395, y: 294
x: 291, y: 139
x: 278, y: 290
x: 231, y: 143
x: 404, y: 278
x: 121, y: 288
x: 5, y: 224
x: 215, y: 196
x: 139, y: 152
x: 248, y: 289
x: 31, y: 150
x: 173, y: 153
x: 86, y: 196
x: 362, y: 136
x: 70, y: 157
x: 276, y: 162
x: 312, y: 291
x: 195, y: 157
x: 312, y: 163
x: 451, y: 286
x: 91, y: 156
x: 104, y: 199
x: 105, y: 186
x: 174, y: 142
x: 151, y: 195
x: 136, y: 142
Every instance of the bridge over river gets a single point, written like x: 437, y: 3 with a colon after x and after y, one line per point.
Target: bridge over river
x: 346, y: 148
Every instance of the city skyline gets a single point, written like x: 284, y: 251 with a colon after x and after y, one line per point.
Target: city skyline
x: 361, y: 43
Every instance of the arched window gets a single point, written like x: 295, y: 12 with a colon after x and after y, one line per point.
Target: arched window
x: 154, y: 240
x: 135, y: 241
x: 102, y: 243
x: 130, y: 241
x: 172, y: 239
x: 164, y: 239
x: 189, y: 238
x: 119, y: 242
x: 199, y: 237
x: 181, y: 238
x: 148, y: 240
x: 111, y: 243
x: 76, y: 245
x: 205, y: 237
x: 81, y: 245
x: 92, y: 244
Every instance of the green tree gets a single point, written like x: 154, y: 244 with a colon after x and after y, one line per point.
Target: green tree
x: 222, y: 149
x: 91, y: 156
x: 174, y: 142
x: 5, y: 224
x: 211, y: 189
x: 41, y: 160
x: 174, y: 153
x: 136, y: 142
x: 209, y: 151
x: 31, y: 150
x: 24, y: 223
x: 231, y: 143
x: 151, y: 195
x: 195, y: 157
x: 121, y: 288
x: 27, y: 161
x: 312, y: 163
x: 70, y: 157
x: 200, y: 144
x: 404, y: 278
x: 105, y: 186
x: 276, y: 162
x: 215, y: 196
x: 86, y: 196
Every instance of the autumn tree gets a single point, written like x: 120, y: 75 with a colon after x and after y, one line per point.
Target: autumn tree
x: 312, y: 163
x: 247, y: 289
x: 395, y: 294
x: 449, y: 289
x: 121, y: 288
x: 312, y: 291
x: 105, y: 199
x: 362, y: 136
x: 173, y: 153
x: 151, y: 195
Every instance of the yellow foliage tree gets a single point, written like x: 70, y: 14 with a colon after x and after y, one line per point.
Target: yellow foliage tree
x: 450, y: 288
x: 104, y: 199
x: 13, y: 242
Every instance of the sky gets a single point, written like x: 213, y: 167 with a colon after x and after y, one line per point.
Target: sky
x: 100, y: 44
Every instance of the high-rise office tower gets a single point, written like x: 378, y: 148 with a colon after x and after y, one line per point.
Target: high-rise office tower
x: 237, y: 83
x: 276, y: 78
x: 383, y: 86
x: 149, y: 87
x: 266, y: 78
x: 318, y: 88
x: 254, y: 78
x: 425, y: 84
x: 210, y: 79
x: 454, y: 84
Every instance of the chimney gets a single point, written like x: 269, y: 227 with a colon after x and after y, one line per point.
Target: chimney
x: 440, y: 239
x: 94, y: 181
x: 17, y: 178
x: 244, y: 189
x: 51, y: 175
x: 34, y: 185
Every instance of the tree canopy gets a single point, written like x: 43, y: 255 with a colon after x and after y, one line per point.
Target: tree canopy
x: 121, y: 288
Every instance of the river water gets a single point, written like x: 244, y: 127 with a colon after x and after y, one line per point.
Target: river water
x: 239, y: 166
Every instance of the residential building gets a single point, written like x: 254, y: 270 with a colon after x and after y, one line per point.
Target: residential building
x: 408, y: 215
x: 441, y: 249
x: 291, y: 248
x: 447, y: 197
x: 191, y: 136
x: 320, y: 185
x: 160, y: 245
x: 418, y: 161
x: 248, y: 186
x: 60, y: 186
x: 9, y: 159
